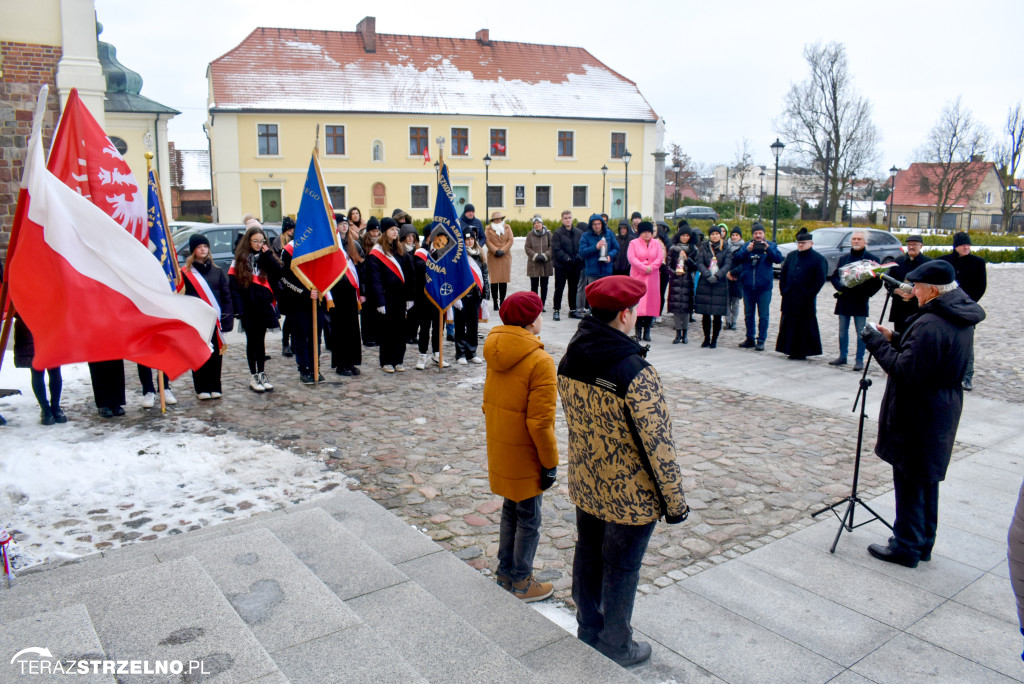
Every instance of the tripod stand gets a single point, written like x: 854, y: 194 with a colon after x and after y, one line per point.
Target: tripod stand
x: 853, y: 500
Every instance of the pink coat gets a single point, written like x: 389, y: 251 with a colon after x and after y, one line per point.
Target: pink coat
x: 641, y: 255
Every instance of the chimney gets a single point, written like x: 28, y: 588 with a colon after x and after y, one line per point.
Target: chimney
x: 483, y: 36
x: 977, y: 157
x: 368, y: 27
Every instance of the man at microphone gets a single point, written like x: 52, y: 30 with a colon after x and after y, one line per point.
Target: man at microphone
x: 904, y: 304
x: 922, y: 403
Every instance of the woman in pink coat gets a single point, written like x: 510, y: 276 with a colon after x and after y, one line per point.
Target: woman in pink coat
x: 646, y: 255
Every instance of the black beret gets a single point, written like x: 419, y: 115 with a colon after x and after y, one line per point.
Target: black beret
x: 935, y: 272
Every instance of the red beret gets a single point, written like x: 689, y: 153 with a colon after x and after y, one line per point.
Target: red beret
x: 521, y: 308
x: 615, y: 293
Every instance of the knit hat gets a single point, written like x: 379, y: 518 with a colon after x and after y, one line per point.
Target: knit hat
x: 197, y: 239
x: 804, y: 236
x: 757, y: 226
x: 538, y: 219
x: 372, y: 223
x: 615, y: 293
x: 387, y: 222
x: 521, y: 308
x: 253, y: 223
x: 961, y: 238
x: 287, y: 223
x: 469, y: 207
x: 683, y: 223
x: 935, y: 272
x: 636, y: 214
x: 736, y: 231
x: 407, y: 229
x: 915, y: 237
x: 645, y: 227
x: 715, y: 229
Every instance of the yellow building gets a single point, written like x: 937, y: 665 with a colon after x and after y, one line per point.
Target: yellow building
x: 548, y: 117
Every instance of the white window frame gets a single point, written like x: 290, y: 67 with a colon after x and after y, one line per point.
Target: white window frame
x: 515, y: 198
x: 901, y: 220
x: 572, y: 196
x: 504, y: 197
x: 279, y: 143
x: 383, y: 149
x: 536, y: 202
x: 419, y: 185
x: 988, y: 197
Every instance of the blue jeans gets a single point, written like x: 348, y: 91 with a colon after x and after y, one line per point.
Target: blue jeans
x: 917, y: 515
x: 844, y: 335
x: 518, y: 537
x: 761, y: 299
x: 605, y: 572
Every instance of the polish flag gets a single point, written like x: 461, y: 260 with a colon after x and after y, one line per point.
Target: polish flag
x: 426, y: 155
x: 88, y: 289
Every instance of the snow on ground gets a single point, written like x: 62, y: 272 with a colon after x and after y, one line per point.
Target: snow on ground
x: 66, y: 488
x: 557, y: 612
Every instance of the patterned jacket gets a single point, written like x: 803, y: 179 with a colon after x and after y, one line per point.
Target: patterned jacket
x: 622, y: 461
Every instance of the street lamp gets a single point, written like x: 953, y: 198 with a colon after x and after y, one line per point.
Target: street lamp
x: 604, y: 176
x: 760, y: 196
x: 892, y: 189
x: 777, y: 148
x: 675, y: 202
x: 851, y: 200
x: 487, y: 188
x: 437, y: 171
x: 626, y: 156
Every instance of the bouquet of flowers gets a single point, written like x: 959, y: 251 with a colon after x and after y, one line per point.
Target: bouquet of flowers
x: 857, y: 272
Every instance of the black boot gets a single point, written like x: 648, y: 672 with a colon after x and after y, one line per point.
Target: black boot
x: 647, y: 333
x: 679, y: 337
x: 715, y: 329
x: 46, y: 416
x: 705, y: 324
x: 686, y: 337
x: 58, y: 414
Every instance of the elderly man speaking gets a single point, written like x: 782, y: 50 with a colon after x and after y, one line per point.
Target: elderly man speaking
x: 922, y: 404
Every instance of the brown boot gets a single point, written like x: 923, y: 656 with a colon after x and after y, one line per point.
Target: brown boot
x: 530, y: 590
x: 504, y: 582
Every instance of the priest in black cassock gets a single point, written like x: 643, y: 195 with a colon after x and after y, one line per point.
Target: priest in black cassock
x: 802, y: 277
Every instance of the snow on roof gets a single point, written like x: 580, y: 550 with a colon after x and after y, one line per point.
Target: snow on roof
x: 330, y: 71
x: 195, y: 169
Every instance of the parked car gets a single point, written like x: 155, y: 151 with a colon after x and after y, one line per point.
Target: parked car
x: 832, y: 243
x: 222, y: 237
x: 693, y: 213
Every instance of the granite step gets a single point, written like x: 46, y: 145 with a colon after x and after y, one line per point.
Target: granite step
x: 67, y: 634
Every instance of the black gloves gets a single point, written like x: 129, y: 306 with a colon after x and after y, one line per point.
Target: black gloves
x: 548, y: 477
x: 499, y: 252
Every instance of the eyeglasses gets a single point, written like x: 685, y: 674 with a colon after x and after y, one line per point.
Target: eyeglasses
x: 257, y: 241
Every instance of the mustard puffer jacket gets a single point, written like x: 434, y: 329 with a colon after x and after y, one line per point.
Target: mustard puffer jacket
x: 519, y: 407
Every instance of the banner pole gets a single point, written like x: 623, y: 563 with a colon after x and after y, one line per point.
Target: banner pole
x: 440, y: 341
x: 160, y: 384
x: 8, y: 322
x: 316, y: 345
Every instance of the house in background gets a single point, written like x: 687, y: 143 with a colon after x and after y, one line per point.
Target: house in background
x: 549, y: 117
x: 795, y: 183
x: 974, y: 201
x: 189, y: 182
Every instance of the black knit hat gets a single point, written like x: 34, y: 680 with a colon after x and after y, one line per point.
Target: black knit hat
x: 372, y: 223
x: 469, y: 207
x: 197, y: 239
x: 961, y: 238
x: 636, y: 214
x: 683, y: 223
x: 736, y: 231
x: 387, y: 222
x: 288, y: 223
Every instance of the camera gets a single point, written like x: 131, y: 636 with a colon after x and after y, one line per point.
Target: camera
x: 760, y: 246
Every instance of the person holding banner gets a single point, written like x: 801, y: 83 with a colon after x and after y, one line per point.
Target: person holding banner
x: 346, y: 350
x: 389, y: 281
x: 467, y: 309
x: 252, y: 298
x: 205, y: 280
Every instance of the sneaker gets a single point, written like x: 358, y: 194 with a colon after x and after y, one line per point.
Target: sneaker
x: 476, y: 359
x: 747, y: 343
x: 148, y: 400
x: 204, y: 396
x: 422, y: 363
x: 461, y: 361
x: 215, y: 395
x: 633, y: 654
x: 287, y: 351
x: 388, y: 368
x: 305, y: 378
x: 759, y: 346
x: 530, y: 590
x: 168, y: 397
x: 255, y: 385
x: 58, y: 414
x: 837, y: 362
x: 400, y: 368
x: 858, y: 366
x: 265, y: 381
x: 556, y: 315
x: 437, y: 359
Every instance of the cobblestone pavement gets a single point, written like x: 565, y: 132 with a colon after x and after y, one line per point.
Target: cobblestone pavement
x: 415, y: 442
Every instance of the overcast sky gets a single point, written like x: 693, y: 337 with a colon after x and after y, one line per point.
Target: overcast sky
x: 715, y: 71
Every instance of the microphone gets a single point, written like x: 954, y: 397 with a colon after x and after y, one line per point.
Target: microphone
x: 892, y: 282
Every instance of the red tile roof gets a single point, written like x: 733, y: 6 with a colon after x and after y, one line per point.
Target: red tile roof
x: 330, y: 71
x: 916, y: 185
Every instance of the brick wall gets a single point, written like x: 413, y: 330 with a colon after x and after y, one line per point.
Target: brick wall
x: 26, y: 67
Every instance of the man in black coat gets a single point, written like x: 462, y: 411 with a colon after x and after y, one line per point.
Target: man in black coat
x: 852, y: 302
x: 972, y: 278
x: 922, y: 403
x: 802, y: 277
x: 471, y: 224
x: 904, y: 304
x: 565, y: 247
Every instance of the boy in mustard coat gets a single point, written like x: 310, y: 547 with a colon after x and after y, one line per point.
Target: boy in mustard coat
x: 522, y: 455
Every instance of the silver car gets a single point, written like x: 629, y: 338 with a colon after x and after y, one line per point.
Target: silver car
x: 833, y: 243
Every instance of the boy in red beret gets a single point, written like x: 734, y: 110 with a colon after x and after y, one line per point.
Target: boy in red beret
x: 522, y: 455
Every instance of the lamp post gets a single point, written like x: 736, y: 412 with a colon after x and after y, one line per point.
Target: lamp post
x: 626, y: 156
x: 777, y: 148
x: 760, y: 196
x: 892, y: 189
x: 851, y: 200
x: 487, y: 188
x: 675, y: 201
x: 604, y: 177
x: 437, y: 172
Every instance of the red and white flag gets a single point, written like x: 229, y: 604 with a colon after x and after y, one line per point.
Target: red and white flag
x: 89, y: 290
x: 426, y: 155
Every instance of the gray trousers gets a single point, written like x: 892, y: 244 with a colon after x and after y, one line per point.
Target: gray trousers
x: 581, y: 295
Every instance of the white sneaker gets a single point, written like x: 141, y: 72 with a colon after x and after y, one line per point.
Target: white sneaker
x: 215, y: 395
x: 437, y: 359
x: 461, y: 362
x: 148, y: 399
x: 265, y: 381
x: 388, y: 368
x: 203, y: 396
x: 422, y: 363
x: 255, y: 385
x: 400, y: 368
x: 476, y: 359
x: 168, y: 397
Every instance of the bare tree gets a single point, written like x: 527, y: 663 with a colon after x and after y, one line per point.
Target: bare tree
x: 1008, y: 159
x: 825, y: 112
x: 743, y: 164
x: 954, y: 142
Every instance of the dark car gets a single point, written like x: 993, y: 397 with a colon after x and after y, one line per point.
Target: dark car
x: 222, y: 237
x: 832, y: 243
x: 694, y: 213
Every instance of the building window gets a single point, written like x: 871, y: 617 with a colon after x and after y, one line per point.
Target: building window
x: 499, y: 143
x: 543, y: 196
x: 417, y: 140
x: 337, y: 195
x: 618, y: 145
x: 460, y: 142
x: 267, y: 134
x: 122, y: 147
x: 988, y: 198
x: 565, y: 144
x: 901, y: 221
x: 419, y: 199
x: 579, y: 195
x: 949, y: 221
x: 378, y: 151
x: 520, y: 195
x: 335, y: 140
x: 496, y: 196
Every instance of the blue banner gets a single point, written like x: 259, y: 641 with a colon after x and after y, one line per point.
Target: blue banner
x: 449, y: 275
x: 159, y: 239
x: 316, y: 258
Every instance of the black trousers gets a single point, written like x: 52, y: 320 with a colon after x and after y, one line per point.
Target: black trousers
x: 107, y: 383
x: 255, y: 346
x: 917, y: 514
x: 498, y: 291
x: 429, y: 331
x: 39, y: 387
x: 346, y: 350
x: 207, y: 378
x: 146, y: 378
x: 466, y: 326
x: 390, y: 332
x: 540, y: 282
x: 563, y: 276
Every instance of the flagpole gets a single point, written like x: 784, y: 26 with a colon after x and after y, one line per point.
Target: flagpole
x: 160, y: 373
x: 313, y: 300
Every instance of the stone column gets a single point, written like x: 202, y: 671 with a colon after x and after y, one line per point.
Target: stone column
x: 658, y: 213
x: 79, y: 66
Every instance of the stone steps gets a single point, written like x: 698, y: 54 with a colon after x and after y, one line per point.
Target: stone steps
x: 333, y: 590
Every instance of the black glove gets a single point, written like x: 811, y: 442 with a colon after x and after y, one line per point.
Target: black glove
x: 227, y: 323
x: 499, y: 252
x: 538, y: 258
x: 543, y: 258
x: 548, y: 477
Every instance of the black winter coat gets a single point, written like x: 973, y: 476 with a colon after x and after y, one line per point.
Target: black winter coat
x: 802, y: 277
x: 621, y: 266
x: 900, y: 310
x: 680, y: 287
x: 255, y: 304
x: 970, y: 273
x: 853, y: 301
x: 386, y: 289
x: 218, y: 283
x: 924, y: 397
x: 565, y: 247
x: 474, y: 226
x: 712, y: 298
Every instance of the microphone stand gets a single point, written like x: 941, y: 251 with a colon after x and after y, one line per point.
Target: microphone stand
x: 853, y: 500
